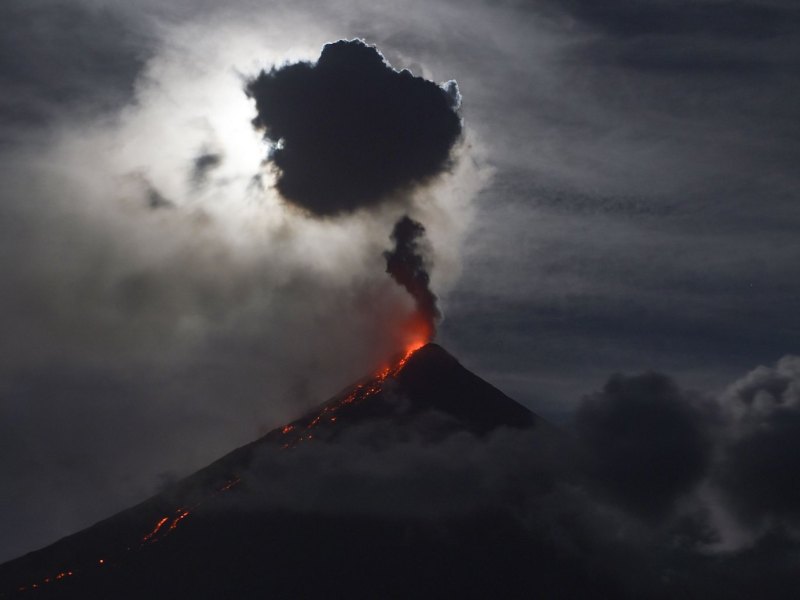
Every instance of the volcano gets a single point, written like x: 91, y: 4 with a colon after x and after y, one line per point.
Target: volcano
x: 296, y: 514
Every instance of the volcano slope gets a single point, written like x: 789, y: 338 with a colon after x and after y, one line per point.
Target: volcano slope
x: 416, y: 482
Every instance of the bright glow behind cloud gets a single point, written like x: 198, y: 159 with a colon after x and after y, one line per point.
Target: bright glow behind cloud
x: 201, y: 253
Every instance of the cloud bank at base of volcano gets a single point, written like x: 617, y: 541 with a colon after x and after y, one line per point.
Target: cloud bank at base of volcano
x: 671, y: 461
x: 658, y: 488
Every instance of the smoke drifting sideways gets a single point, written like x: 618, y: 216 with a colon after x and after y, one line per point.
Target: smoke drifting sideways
x: 349, y: 131
x: 408, y: 267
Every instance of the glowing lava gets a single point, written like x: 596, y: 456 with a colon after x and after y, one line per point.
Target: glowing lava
x: 155, y: 530
x: 417, y: 331
x: 182, y: 514
x: 357, y: 395
x: 412, y: 347
x: 299, y: 433
x: 157, y: 533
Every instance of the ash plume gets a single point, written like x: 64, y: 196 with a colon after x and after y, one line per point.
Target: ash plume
x: 407, y: 266
x: 349, y: 130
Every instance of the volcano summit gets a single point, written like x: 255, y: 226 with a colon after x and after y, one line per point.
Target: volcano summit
x: 384, y: 491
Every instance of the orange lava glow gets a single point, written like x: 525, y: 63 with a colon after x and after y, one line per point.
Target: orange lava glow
x: 233, y: 482
x: 156, y: 529
x: 158, y: 532
x: 358, y: 394
x: 416, y: 332
x: 181, y: 516
x: 361, y: 392
x: 50, y: 579
x: 414, y: 345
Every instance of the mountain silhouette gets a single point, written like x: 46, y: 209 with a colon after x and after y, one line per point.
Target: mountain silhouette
x: 370, y: 495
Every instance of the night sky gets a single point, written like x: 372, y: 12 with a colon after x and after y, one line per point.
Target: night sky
x: 195, y: 211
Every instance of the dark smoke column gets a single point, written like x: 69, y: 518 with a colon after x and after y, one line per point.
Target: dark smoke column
x: 349, y: 133
x: 407, y: 267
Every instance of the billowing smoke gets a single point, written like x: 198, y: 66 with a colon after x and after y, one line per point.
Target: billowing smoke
x: 645, y: 440
x: 408, y: 267
x: 349, y: 131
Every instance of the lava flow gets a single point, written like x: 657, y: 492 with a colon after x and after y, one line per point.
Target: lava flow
x: 159, y: 531
x: 299, y: 433
x: 163, y: 526
x: 357, y: 395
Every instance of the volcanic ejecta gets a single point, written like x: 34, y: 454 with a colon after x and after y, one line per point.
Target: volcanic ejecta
x: 349, y: 132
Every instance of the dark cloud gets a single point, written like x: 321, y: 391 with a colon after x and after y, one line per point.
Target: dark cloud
x: 408, y: 267
x: 656, y: 451
x: 643, y: 441
x: 64, y: 58
x: 760, y: 470
x: 156, y: 199
x: 761, y: 456
x: 700, y: 36
x: 429, y: 467
x: 349, y: 129
x: 377, y: 469
x: 203, y: 165
x: 634, y: 18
